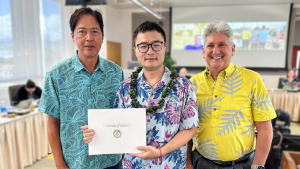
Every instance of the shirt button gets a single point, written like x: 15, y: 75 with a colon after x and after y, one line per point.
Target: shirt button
x: 150, y: 131
x: 151, y: 94
x: 215, y: 109
x: 149, y: 166
x: 216, y: 96
x: 93, y: 93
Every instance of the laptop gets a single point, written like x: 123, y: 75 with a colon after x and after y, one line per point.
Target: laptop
x: 291, y: 86
x: 35, y: 102
x: 22, y: 108
x: 24, y: 104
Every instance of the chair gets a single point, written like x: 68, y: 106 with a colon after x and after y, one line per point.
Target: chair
x: 12, y: 91
x: 290, y: 159
x: 280, y: 82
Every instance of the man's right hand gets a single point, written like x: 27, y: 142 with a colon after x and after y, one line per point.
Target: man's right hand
x: 88, y: 134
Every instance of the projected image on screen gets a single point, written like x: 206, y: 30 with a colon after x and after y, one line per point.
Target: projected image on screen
x: 246, y: 35
x: 260, y: 34
x: 188, y: 36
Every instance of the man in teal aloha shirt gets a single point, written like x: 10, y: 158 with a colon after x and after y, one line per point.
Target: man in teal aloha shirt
x: 84, y: 81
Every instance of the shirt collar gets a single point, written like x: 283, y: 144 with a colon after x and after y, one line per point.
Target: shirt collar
x: 164, y: 80
x: 79, y: 66
x: 226, y: 73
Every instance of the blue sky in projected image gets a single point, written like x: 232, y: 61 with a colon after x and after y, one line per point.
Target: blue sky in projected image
x: 252, y: 25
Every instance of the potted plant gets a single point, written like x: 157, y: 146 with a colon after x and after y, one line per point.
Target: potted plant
x: 169, y: 62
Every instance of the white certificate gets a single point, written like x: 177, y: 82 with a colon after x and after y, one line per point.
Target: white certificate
x: 117, y: 131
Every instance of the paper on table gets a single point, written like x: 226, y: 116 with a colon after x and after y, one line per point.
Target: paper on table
x: 117, y: 130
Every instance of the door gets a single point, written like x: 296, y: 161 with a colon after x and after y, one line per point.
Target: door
x: 114, y: 52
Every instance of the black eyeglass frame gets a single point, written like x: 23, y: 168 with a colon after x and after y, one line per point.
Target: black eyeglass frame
x: 137, y: 46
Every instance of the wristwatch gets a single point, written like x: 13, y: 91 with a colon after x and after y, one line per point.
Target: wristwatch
x: 253, y: 166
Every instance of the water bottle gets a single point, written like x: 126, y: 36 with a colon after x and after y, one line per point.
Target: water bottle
x: 3, y: 108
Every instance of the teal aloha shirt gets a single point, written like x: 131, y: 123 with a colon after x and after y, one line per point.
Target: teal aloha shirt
x: 69, y: 91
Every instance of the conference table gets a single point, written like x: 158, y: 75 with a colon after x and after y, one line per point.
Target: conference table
x: 287, y: 101
x: 23, y: 140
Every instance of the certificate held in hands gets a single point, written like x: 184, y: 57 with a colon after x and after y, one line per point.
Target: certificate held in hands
x: 117, y: 131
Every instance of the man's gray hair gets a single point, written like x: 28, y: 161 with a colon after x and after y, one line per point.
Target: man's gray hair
x: 182, y: 69
x: 218, y: 27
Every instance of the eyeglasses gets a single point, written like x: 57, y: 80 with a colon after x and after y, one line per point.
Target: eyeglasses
x: 156, y: 46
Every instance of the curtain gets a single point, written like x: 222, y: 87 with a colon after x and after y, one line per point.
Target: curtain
x: 35, y: 36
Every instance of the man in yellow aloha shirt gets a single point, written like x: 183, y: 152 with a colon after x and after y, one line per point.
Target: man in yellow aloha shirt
x: 232, y: 101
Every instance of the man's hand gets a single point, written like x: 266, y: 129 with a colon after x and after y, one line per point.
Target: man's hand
x: 150, y: 152
x: 88, y: 134
x: 189, y: 165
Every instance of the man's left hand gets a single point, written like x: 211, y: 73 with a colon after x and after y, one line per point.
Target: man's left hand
x: 150, y: 152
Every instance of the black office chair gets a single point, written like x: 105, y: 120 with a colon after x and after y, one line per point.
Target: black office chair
x: 280, y: 82
x: 12, y: 92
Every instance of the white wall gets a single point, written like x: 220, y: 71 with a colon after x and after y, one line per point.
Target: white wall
x: 118, y: 29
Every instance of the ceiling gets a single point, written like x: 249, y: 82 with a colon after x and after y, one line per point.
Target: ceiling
x: 127, y: 4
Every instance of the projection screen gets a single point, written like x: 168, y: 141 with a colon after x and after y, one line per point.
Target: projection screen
x: 260, y: 34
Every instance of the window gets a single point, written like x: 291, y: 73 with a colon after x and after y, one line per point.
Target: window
x: 51, y: 31
x: 6, y: 45
x: 31, y: 40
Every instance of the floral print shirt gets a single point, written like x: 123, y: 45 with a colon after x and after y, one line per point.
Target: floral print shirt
x: 178, y: 113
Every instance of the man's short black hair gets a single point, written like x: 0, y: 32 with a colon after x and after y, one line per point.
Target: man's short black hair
x: 30, y: 84
x: 85, y: 11
x: 148, y: 26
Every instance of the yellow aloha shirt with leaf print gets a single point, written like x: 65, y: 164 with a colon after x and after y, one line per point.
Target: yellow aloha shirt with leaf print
x: 227, y: 109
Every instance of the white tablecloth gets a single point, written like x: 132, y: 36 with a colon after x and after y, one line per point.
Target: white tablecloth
x: 23, y: 140
x: 289, y: 102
